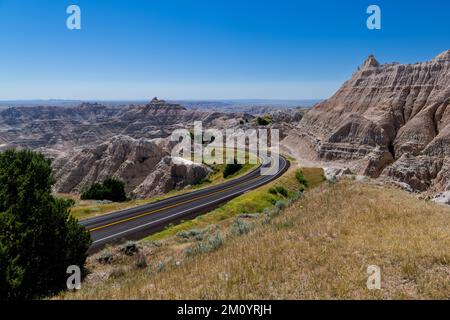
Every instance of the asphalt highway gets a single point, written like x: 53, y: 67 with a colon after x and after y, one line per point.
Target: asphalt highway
x: 140, y: 221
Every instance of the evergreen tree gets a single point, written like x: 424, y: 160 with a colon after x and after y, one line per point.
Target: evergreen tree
x: 38, y: 237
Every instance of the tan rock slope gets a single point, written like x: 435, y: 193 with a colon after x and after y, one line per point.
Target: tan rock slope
x: 387, y: 120
x: 144, y: 165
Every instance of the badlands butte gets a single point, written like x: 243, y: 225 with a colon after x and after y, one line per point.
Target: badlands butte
x: 389, y: 121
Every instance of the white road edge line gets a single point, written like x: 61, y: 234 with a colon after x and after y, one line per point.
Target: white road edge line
x: 168, y: 217
x: 93, y: 220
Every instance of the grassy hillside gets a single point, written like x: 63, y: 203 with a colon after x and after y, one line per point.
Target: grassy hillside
x: 318, y: 247
x: 251, y: 202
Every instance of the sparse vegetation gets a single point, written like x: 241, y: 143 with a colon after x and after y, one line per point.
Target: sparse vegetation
x: 281, y: 190
x: 191, y: 234
x: 301, y: 178
x: 88, y: 208
x: 210, y: 244
x: 106, y: 257
x: 323, y: 243
x: 280, y: 204
x: 255, y: 201
x: 129, y: 248
x: 240, y: 227
x: 111, y: 189
x: 278, y: 190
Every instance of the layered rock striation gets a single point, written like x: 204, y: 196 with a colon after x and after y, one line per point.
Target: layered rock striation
x: 144, y: 165
x: 388, y: 120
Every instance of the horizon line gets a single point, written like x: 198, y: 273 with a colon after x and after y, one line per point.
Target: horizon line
x: 166, y: 99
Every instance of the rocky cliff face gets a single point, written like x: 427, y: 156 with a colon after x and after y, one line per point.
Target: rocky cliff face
x: 144, y: 165
x: 387, y: 120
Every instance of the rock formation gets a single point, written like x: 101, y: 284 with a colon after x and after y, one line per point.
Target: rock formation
x: 171, y: 173
x: 390, y: 120
x: 62, y: 128
x: 91, y: 142
x: 144, y: 165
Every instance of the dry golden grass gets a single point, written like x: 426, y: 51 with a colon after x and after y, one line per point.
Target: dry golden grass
x: 318, y: 248
x: 251, y: 202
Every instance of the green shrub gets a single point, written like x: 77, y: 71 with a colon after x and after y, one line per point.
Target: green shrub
x: 296, y: 195
x: 282, y: 190
x: 301, y: 178
x: 191, y: 234
x: 279, y: 190
x: 209, y: 245
x: 273, y: 201
x: 240, y: 227
x: 161, y: 267
x: 231, y: 168
x: 213, y: 242
x: 106, y: 257
x: 129, y: 248
x: 280, y: 204
x: 111, y: 189
x: 38, y: 237
x: 271, y: 212
x: 263, y: 121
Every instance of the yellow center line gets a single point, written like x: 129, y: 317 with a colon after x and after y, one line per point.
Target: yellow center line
x: 168, y: 207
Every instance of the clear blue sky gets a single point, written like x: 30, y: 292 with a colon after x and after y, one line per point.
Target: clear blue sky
x: 206, y: 49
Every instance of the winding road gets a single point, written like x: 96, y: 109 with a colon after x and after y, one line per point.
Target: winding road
x: 143, y: 220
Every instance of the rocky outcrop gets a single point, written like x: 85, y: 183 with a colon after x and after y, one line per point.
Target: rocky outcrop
x: 91, y: 142
x: 288, y: 115
x: 63, y: 128
x: 169, y: 174
x: 123, y: 157
x: 388, y: 119
x: 144, y: 165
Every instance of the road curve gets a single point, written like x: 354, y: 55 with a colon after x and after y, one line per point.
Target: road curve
x: 143, y: 220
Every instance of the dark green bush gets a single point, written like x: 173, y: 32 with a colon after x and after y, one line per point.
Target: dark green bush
x: 38, y: 237
x: 282, y: 190
x: 301, y: 178
x: 231, y: 168
x: 260, y: 121
x: 111, y: 189
x: 279, y: 190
